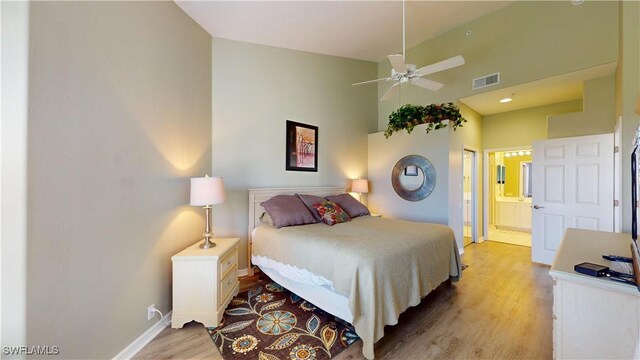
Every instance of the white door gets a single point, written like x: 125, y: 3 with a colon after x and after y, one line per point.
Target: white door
x: 572, y: 188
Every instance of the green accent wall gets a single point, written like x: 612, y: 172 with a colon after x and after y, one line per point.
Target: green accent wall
x: 628, y: 95
x: 522, y: 127
x: 525, y: 41
x: 250, y: 110
x: 597, y: 115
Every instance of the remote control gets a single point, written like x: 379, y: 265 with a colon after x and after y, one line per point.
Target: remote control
x: 617, y: 258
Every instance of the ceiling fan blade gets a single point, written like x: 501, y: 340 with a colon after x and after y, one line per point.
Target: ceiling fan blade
x: 427, y: 84
x: 397, y: 63
x: 371, y: 81
x: 441, y: 66
x: 392, y: 91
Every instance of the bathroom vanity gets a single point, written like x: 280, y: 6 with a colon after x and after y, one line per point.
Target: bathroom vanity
x: 513, y: 213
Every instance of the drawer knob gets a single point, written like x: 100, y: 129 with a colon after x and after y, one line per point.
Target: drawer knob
x: 229, y: 262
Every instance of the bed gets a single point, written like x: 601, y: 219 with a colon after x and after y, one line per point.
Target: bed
x: 366, y: 271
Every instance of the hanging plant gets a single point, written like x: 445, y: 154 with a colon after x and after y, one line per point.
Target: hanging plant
x: 409, y: 116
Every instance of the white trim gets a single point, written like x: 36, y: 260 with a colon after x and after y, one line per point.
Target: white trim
x: 461, y: 251
x: 474, y: 185
x: 243, y: 272
x: 480, y: 239
x: 617, y: 176
x: 132, y: 349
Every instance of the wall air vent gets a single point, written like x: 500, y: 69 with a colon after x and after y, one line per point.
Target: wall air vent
x: 485, y: 81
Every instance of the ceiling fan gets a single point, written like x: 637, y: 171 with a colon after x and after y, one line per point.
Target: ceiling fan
x: 409, y: 73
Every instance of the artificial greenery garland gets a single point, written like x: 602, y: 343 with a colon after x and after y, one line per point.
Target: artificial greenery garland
x: 408, y: 116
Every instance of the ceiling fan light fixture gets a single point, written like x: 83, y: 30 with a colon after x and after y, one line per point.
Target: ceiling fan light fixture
x: 402, y: 73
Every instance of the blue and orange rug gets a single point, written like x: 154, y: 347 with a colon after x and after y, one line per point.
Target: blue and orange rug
x: 269, y: 322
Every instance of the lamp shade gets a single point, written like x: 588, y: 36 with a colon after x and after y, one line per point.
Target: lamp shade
x: 207, y: 191
x: 360, y: 186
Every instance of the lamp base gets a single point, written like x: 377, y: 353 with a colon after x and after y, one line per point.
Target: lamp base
x: 207, y: 244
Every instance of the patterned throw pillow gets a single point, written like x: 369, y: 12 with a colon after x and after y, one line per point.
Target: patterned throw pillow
x: 331, y: 213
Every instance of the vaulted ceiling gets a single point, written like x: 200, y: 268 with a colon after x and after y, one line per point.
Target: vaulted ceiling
x: 367, y: 30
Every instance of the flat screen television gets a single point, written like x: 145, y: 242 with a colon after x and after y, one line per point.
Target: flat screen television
x: 635, y: 251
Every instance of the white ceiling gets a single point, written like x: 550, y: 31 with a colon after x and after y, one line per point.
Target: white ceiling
x: 537, y: 93
x: 367, y: 30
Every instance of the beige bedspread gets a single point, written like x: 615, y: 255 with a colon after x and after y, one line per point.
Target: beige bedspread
x: 383, y: 266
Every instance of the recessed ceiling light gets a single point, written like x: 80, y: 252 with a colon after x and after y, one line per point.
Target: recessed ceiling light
x: 506, y: 100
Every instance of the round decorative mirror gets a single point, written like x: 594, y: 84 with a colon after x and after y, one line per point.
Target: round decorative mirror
x: 413, y: 178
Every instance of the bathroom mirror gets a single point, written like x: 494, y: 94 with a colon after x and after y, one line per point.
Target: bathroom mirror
x: 413, y: 178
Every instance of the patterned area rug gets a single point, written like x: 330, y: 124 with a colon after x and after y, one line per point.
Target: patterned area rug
x: 269, y: 322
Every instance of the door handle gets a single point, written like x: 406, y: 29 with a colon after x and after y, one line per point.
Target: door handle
x: 538, y: 207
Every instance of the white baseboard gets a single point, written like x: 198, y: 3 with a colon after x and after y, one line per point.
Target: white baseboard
x: 243, y: 272
x: 137, y: 344
x: 480, y: 239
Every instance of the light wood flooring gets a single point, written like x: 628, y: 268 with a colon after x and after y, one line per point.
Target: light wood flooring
x: 500, y: 309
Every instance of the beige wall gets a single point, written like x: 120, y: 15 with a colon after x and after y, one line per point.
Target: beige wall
x: 522, y: 127
x: 628, y: 95
x: 119, y: 119
x: 255, y: 90
x: 13, y: 142
x: 597, y: 115
x: 524, y: 41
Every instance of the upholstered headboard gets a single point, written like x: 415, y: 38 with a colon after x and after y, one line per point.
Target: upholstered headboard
x: 257, y: 196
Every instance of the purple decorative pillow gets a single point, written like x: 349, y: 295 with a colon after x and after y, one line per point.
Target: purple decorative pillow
x: 352, y: 206
x: 331, y: 213
x: 288, y: 210
x: 309, y: 201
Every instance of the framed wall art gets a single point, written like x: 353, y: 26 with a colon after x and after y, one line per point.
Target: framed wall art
x: 302, y: 147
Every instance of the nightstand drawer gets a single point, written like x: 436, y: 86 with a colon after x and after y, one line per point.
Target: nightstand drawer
x: 228, y: 283
x: 228, y: 261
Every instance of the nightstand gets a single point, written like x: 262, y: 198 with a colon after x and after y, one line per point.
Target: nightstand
x: 204, y: 282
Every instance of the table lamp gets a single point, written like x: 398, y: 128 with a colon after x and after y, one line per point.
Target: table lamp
x: 207, y: 191
x: 360, y: 186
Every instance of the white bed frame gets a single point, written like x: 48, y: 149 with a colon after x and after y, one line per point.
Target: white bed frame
x: 321, y: 296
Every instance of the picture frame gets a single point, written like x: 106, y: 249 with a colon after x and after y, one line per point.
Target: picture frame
x: 301, y: 147
x: 411, y: 170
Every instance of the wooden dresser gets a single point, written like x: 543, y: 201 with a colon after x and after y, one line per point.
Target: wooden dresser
x: 593, y: 318
x: 204, y: 282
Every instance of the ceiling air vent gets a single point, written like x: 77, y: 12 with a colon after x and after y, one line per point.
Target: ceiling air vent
x: 485, y: 81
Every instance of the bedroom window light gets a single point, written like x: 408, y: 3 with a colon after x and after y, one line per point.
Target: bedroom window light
x: 207, y: 191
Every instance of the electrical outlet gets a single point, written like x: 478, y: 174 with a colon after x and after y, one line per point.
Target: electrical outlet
x: 151, y: 311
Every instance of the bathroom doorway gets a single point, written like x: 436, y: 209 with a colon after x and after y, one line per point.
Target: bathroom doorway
x: 508, y: 200
x: 469, y: 197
